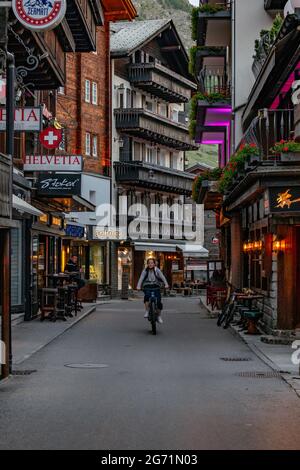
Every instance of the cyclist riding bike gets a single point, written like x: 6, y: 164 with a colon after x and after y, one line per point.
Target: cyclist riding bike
x: 150, y: 282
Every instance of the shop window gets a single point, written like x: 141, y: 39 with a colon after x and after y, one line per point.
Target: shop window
x: 97, y: 263
x: 16, y: 265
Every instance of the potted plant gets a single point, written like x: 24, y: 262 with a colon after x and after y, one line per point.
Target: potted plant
x: 234, y: 171
x: 288, y: 150
x: 208, y: 175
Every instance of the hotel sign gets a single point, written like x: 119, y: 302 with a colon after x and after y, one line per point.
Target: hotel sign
x: 284, y: 199
x: 59, y: 185
x: 109, y: 233
x: 26, y: 119
x: 46, y: 163
x: 39, y: 15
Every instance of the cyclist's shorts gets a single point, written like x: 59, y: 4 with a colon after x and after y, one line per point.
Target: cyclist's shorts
x: 147, y: 295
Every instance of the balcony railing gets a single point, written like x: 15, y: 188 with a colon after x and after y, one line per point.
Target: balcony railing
x: 5, y: 187
x: 161, y: 81
x: 154, y: 176
x: 154, y: 128
x: 269, y: 127
x: 214, y: 79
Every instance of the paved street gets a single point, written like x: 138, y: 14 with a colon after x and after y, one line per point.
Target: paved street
x: 166, y: 392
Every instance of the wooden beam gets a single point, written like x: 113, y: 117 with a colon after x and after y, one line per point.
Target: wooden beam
x: 171, y: 48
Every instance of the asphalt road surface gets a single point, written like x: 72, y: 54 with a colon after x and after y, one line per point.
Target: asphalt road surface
x: 166, y: 392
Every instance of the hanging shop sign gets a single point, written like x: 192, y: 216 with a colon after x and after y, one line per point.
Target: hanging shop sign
x: 74, y: 231
x: 283, y: 199
x: 51, y: 138
x: 26, y: 119
x: 39, y: 15
x: 59, y: 185
x: 109, y: 233
x: 53, y: 163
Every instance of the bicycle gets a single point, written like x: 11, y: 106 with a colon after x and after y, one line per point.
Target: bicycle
x: 153, y: 309
x: 228, y: 312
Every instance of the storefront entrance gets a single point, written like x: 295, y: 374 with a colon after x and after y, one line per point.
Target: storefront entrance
x: 289, y: 278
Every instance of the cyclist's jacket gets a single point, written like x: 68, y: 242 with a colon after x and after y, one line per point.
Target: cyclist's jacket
x: 151, y: 277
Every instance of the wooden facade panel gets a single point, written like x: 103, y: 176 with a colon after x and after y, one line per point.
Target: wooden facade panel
x: 288, y: 281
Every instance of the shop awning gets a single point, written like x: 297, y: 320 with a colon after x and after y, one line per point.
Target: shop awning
x: 163, y: 247
x: 194, y: 251
x: 24, y: 207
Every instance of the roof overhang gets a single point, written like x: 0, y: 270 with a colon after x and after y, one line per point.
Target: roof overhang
x: 117, y: 10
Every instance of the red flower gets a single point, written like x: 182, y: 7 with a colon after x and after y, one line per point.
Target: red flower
x: 282, y: 141
x: 253, y: 146
x: 285, y: 149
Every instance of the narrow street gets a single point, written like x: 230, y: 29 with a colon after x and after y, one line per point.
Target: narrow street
x: 172, y: 391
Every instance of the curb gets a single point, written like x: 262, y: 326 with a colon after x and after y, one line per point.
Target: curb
x: 266, y: 360
x: 68, y: 327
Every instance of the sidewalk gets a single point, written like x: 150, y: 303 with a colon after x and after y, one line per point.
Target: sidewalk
x: 277, y: 356
x: 29, y: 337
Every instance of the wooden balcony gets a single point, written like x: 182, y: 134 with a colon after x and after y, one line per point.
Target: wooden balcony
x: 5, y: 187
x: 83, y: 16
x: 269, y: 127
x: 160, y: 81
x: 224, y: 14
x: 154, y: 177
x: 44, y: 69
x: 209, y: 195
x: 214, y: 79
x: 152, y: 127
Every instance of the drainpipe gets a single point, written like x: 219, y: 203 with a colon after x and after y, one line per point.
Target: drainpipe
x: 10, y: 124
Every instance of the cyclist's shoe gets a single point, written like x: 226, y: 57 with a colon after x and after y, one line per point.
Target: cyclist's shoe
x: 146, y: 315
x: 160, y: 320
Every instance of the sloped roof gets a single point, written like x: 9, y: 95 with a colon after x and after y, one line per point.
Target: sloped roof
x: 126, y: 37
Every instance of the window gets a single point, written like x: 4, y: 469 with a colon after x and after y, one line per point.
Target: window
x: 151, y: 155
x: 95, y: 93
x: 121, y: 99
x: 95, y: 146
x: 93, y: 197
x: 87, y: 91
x: 61, y: 90
x: 88, y: 143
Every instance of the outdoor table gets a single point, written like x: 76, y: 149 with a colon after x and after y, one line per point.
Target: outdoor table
x: 247, y: 300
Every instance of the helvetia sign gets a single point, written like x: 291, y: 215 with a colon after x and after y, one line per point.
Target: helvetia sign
x: 40, y: 15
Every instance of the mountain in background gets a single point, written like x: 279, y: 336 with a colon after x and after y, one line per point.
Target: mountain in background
x: 178, y: 10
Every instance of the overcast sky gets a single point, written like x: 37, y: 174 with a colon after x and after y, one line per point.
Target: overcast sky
x: 195, y: 2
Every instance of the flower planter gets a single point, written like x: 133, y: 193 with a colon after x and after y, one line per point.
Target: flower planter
x: 290, y: 157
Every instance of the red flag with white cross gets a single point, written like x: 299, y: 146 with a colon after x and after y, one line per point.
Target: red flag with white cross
x: 2, y: 90
x: 51, y: 138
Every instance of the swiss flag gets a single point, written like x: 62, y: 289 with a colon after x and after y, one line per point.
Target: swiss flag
x: 2, y: 90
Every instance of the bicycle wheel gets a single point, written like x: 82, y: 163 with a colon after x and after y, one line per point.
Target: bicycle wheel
x: 229, y: 317
x: 222, y: 315
x: 152, y: 317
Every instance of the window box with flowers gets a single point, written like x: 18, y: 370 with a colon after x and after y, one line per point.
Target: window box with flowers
x: 235, y: 167
x: 205, y: 99
x: 200, y: 181
x: 288, y: 150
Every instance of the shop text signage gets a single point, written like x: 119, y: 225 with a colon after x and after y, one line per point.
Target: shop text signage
x: 59, y: 185
x: 108, y: 233
x: 39, y: 15
x: 53, y: 163
x: 74, y: 231
x: 26, y: 119
x: 284, y: 199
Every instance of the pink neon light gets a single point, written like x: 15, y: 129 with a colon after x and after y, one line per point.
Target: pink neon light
x: 285, y: 88
x: 212, y: 142
x: 222, y: 110
x: 218, y: 124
